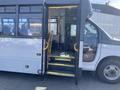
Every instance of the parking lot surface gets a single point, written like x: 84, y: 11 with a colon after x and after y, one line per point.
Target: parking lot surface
x: 14, y: 81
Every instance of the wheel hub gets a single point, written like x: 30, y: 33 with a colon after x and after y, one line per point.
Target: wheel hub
x: 112, y: 72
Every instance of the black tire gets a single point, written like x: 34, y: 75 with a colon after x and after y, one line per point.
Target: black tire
x: 106, y: 65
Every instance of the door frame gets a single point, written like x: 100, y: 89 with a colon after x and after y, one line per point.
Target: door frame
x: 44, y: 37
x: 45, y: 34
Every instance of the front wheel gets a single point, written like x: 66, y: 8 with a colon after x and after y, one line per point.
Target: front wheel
x: 109, y: 71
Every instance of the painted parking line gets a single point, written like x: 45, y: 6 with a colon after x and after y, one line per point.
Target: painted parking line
x: 41, y: 88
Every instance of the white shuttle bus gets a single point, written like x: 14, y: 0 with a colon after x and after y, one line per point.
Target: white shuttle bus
x: 55, y: 37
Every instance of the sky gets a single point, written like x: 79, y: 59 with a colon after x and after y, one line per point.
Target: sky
x: 114, y: 3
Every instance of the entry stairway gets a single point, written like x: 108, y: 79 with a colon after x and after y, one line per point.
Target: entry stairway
x: 62, y: 66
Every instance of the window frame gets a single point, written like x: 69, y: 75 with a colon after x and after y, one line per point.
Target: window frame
x: 98, y: 39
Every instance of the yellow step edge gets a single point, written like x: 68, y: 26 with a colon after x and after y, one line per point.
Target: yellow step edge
x: 63, y: 65
x: 60, y: 74
x: 61, y: 59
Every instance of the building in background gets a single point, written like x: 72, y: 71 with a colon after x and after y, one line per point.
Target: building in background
x: 108, y: 18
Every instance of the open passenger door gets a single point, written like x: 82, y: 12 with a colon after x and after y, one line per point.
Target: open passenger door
x: 67, y: 58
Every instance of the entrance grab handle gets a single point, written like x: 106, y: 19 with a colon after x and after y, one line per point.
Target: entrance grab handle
x: 47, y: 45
x: 75, y: 47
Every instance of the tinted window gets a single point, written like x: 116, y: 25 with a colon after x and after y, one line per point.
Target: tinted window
x: 7, y: 9
x: 30, y: 9
x: 36, y: 9
x: 30, y: 27
x: 2, y: 9
x: 24, y: 9
x: 35, y: 27
x: 90, y: 42
x: 27, y: 21
x: 10, y: 9
x: 30, y: 21
x: 8, y: 27
x: 23, y: 27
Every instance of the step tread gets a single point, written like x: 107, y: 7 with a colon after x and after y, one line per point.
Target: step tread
x: 63, y: 57
x: 60, y: 64
x: 56, y: 73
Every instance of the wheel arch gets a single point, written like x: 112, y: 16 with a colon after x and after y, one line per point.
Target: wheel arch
x: 107, y: 58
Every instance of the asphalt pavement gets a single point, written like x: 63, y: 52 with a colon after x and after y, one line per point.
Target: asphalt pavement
x: 88, y: 81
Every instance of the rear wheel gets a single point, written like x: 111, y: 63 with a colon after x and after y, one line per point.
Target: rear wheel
x: 109, y: 71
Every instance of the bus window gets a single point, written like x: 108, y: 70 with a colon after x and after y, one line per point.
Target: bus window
x: 30, y: 21
x: 23, y: 27
x: 30, y: 27
x: 90, y: 42
x: 35, y: 27
x: 8, y: 27
x: 31, y: 9
x: 24, y: 9
x: 36, y: 9
x: 10, y: 9
x: 7, y: 9
x: 73, y: 30
x: 7, y: 20
x: 2, y: 9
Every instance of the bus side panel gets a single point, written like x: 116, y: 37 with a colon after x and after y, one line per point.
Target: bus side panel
x: 20, y: 55
x: 104, y: 50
